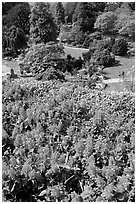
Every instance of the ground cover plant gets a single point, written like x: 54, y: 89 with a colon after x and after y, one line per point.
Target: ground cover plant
x: 65, y: 142
x: 68, y: 117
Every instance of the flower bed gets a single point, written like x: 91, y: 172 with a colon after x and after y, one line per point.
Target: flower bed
x: 66, y: 142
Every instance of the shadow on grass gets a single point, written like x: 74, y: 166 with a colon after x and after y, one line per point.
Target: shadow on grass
x: 105, y: 75
x: 116, y: 64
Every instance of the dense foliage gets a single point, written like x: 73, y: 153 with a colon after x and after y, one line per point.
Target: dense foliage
x: 91, y: 37
x: 65, y: 138
x: 15, y: 21
x: 64, y: 142
x: 120, y: 47
x: 39, y: 57
x: 59, y: 14
x: 42, y: 25
x: 42, y: 22
x: 18, y: 16
x: 103, y: 57
x: 106, y: 23
x: 50, y: 74
x: 13, y: 40
x: 6, y: 6
x: 100, y: 52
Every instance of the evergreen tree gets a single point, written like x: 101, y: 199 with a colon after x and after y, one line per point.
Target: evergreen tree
x: 18, y: 16
x: 86, y: 13
x: 6, y: 6
x: 42, y: 25
x: 60, y: 13
x: 69, y: 11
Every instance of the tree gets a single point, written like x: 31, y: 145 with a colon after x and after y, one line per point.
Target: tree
x: 132, y: 5
x: 112, y: 6
x: 42, y: 25
x: 69, y: 11
x: 18, y: 16
x: 125, y: 24
x: 106, y: 23
x: 14, y: 39
x: 60, y: 13
x: 6, y: 6
x: 17, y: 35
x: 84, y: 16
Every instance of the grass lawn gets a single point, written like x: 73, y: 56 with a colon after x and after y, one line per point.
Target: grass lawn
x: 74, y: 52
x: 11, y: 64
x: 119, y: 87
x: 125, y: 64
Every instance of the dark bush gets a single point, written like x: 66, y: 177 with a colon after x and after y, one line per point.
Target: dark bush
x: 72, y: 64
x: 100, y: 45
x: 120, y: 47
x: 100, y: 52
x: 90, y: 38
x: 50, y: 74
x: 86, y: 55
x: 103, y: 58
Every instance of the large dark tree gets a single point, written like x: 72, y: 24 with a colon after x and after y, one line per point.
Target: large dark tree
x: 86, y: 13
x: 69, y: 11
x: 42, y: 25
x: 6, y: 6
x: 59, y: 13
x: 112, y: 6
x: 13, y: 39
x: 18, y: 16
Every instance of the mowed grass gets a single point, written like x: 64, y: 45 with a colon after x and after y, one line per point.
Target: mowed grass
x: 125, y: 64
x: 74, y: 52
x: 10, y: 64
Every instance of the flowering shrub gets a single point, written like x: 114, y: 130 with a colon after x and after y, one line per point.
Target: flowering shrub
x: 65, y: 142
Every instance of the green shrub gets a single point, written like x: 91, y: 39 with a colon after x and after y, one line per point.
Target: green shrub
x: 103, y: 58
x: 40, y: 57
x: 90, y: 38
x: 100, y: 53
x: 100, y: 45
x: 120, y: 47
x: 50, y: 74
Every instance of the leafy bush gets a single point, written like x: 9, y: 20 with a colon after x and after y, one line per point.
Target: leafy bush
x: 120, y: 47
x: 50, y: 74
x: 106, y: 23
x: 73, y: 65
x: 103, y: 58
x: 90, y: 38
x: 100, y: 53
x: 40, y: 57
x: 100, y: 45
x: 69, y: 143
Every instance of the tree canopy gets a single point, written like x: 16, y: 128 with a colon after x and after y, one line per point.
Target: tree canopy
x: 42, y: 24
x: 18, y: 16
x: 106, y: 22
x: 59, y: 13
